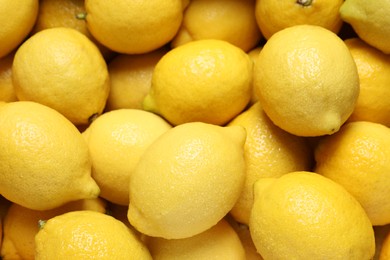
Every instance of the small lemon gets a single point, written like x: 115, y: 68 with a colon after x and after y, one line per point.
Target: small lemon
x: 219, y: 242
x: 87, y: 235
x: 269, y: 152
x: 370, y: 20
x: 293, y: 82
x: 273, y: 16
x: 303, y: 215
x: 44, y: 160
x: 187, y: 180
x: 21, y: 226
x: 17, y: 18
x: 133, y: 27
x: 126, y: 133
x: 229, y: 20
x: 7, y: 91
x: 205, y: 80
x: 61, y: 68
x: 373, y: 67
x: 131, y: 79
x: 358, y: 158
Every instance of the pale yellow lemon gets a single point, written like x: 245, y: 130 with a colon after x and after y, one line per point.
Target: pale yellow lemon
x: 229, y: 20
x: 17, y: 18
x: 131, y: 79
x: 61, y: 68
x: 373, y: 67
x: 303, y: 215
x: 133, y: 27
x: 7, y: 91
x: 44, y: 160
x: 187, y: 180
x: 87, y: 235
x: 21, y: 226
x: 358, y: 158
x: 269, y: 152
x: 370, y: 20
x: 273, y: 16
x: 126, y: 134
x: 205, y: 80
x: 219, y: 242
x: 306, y: 80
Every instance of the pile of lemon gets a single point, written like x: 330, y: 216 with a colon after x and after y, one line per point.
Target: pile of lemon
x: 195, y: 129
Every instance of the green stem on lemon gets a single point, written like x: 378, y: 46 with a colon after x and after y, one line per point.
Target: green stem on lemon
x: 41, y: 223
x: 81, y: 16
x: 304, y: 2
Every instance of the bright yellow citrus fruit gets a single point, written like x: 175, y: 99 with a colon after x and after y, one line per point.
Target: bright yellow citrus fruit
x: 303, y: 215
x: 370, y: 20
x: 219, y: 242
x: 17, y: 18
x: 232, y: 21
x: 187, y: 180
x: 7, y: 91
x: 358, y: 158
x: 126, y: 133
x: 131, y: 78
x: 273, y: 16
x: 44, y: 160
x: 269, y: 152
x: 87, y: 235
x: 205, y: 80
x: 293, y: 82
x: 373, y: 67
x: 21, y: 226
x: 61, y: 68
x: 134, y: 27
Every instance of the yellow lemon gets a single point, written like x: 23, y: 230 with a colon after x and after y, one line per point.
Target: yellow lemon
x: 358, y: 158
x: 7, y: 91
x: 21, y: 226
x: 232, y: 21
x: 273, y: 16
x: 44, y: 160
x: 293, y: 82
x: 61, y: 68
x: 134, y: 27
x: 131, y: 79
x: 373, y: 67
x: 253, y: 55
x: 126, y: 133
x: 87, y: 235
x: 187, y: 180
x: 17, y: 18
x: 205, y: 80
x: 219, y: 242
x: 269, y: 152
x: 64, y: 13
x: 303, y: 215
x: 370, y: 20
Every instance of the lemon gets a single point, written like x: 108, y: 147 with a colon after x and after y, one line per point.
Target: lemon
x: 187, y: 180
x: 44, y: 160
x: 269, y: 152
x: 133, y: 27
x: 253, y: 55
x: 87, y: 235
x: 7, y: 91
x: 17, y: 18
x: 131, y: 79
x: 374, y: 76
x: 126, y: 133
x: 219, y: 242
x: 205, y: 80
x: 370, y: 20
x: 21, y: 226
x: 273, y: 16
x: 293, y: 82
x: 61, y: 68
x: 303, y: 215
x: 357, y: 157
x: 232, y: 21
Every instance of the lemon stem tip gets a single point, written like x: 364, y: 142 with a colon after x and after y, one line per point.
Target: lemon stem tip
x: 304, y: 2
